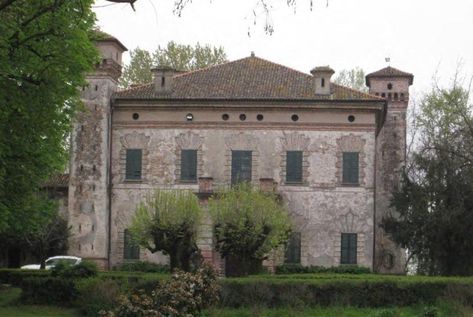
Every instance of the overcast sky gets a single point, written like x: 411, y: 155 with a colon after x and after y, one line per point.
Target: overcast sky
x: 420, y: 36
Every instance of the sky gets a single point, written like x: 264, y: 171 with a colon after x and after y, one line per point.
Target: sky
x: 424, y: 37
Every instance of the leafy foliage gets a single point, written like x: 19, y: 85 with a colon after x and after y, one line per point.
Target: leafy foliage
x: 434, y: 204
x: 178, y: 56
x: 352, y: 78
x: 82, y: 270
x: 248, y: 225
x: 184, y: 295
x: 45, y: 50
x: 167, y: 221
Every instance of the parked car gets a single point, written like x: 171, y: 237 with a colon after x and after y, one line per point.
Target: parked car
x: 53, y: 261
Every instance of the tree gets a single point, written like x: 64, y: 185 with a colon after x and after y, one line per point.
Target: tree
x: 352, y: 78
x: 167, y: 221
x: 178, y: 56
x: 248, y: 225
x: 51, y: 237
x: 45, y: 51
x: 433, y: 215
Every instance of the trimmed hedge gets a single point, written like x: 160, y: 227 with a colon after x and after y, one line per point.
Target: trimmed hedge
x: 48, y: 290
x: 275, y: 293
x: 342, y: 269
x: 15, y: 277
x: 143, y: 266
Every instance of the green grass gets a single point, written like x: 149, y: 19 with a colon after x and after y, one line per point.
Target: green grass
x: 444, y: 309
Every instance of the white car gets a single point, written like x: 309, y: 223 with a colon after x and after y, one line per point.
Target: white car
x: 52, y: 261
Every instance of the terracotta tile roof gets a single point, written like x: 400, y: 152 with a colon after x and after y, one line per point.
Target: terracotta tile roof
x: 389, y: 72
x: 58, y: 180
x: 247, y: 78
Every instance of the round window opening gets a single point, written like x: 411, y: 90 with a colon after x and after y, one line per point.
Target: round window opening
x: 295, y: 117
x: 351, y: 118
x: 225, y: 117
x: 259, y: 117
x: 135, y: 116
x: 189, y: 117
x: 390, y: 86
x: 243, y: 117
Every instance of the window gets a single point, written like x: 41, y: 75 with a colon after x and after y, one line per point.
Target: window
x: 348, y: 248
x: 293, y: 249
x: 189, y: 165
x: 133, y: 164
x: 294, y: 167
x: 350, y: 168
x: 241, y: 166
x: 131, y: 251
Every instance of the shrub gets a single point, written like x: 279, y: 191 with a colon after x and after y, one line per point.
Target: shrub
x: 185, y: 294
x: 342, y: 269
x: 430, y: 311
x: 48, y: 290
x: 143, y: 266
x: 82, y: 270
x: 96, y: 294
x: 385, y: 313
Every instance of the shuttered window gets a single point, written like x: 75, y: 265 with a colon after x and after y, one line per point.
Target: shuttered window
x: 131, y: 251
x: 293, y: 249
x: 348, y: 252
x: 241, y: 166
x: 294, y: 167
x: 189, y: 165
x: 133, y: 164
x: 350, y: 168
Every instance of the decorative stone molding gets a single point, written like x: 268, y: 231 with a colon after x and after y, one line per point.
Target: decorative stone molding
x: 349, y: 223
x: 351, y: 143
x: 241, y: 142
x: 295, y: 142
x: 189, y: 141
x: 135, y: 140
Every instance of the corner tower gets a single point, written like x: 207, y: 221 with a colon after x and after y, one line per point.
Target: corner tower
x: 90, y: 157
x: 393, y: 85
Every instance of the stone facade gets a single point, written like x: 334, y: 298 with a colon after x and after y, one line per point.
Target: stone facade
x: 268, y: 110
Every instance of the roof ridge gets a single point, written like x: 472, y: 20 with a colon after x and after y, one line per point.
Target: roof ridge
x: 135, y: 87
x: 284, y: 66
x: 362, y: 93
x: 208, y: 67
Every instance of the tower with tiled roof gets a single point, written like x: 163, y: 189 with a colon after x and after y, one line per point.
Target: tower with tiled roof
x: 90, y: 147
x: 393, y: 85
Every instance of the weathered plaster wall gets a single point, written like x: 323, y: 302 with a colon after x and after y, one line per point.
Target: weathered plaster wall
x: 321, y: 207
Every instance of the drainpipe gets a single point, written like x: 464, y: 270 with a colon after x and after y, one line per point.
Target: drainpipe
x: 109, y: 189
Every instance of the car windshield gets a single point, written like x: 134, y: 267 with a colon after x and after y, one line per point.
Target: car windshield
x: 54, y: 262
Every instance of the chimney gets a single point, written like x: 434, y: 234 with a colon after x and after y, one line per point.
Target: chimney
x: 322, y: 75
x: 162, y: 78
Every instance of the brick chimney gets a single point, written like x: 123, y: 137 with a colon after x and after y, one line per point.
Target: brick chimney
x: 163, y: 78
x: 322, y: 75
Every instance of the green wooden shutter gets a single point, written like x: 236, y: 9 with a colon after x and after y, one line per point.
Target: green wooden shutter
x: 189, y: 165
x: 131, y: 251
x: 133, y: 163
x: 241, y: 166
x: 293, y: 249
x: 350, y: 168
x: 349, y: 248
x: 294, y: 166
